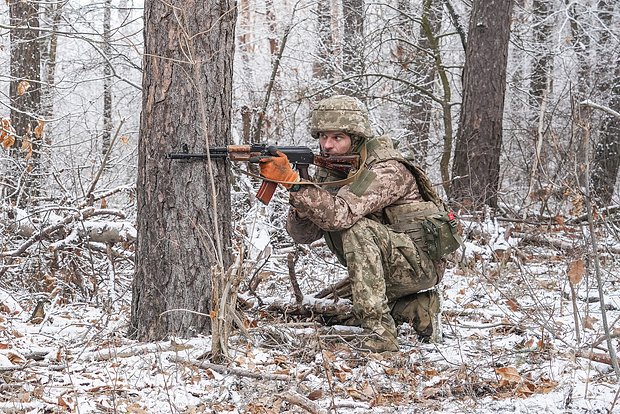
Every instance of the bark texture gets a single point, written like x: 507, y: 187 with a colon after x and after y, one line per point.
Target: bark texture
x: 475, y: 170
x: 187, y: 69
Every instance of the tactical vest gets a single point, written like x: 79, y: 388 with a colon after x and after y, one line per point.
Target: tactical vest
x: 426, y: 222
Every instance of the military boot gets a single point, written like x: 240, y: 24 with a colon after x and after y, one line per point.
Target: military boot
x: 381, y: 339
x: 422, y: 312
x: 375, y: 337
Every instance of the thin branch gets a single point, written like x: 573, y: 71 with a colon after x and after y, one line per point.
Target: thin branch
x: 104, y: 162
x: 224, y: 370
x: 594, y: 105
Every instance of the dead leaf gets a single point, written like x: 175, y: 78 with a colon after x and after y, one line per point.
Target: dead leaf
x: 546, y: 385
x: 7, y: 140
x: 27, y: 146
x: 329, y: 356
x: 62, y: 403
x: 280, y: 360
x: 513, y: 304
x: 136, y: 409
x: 342, y: 376
x: 526, y: 389
x: 430, y: 373
x: 589, y: 321
x: 4, y: 346
x: 509, y: 376
x: 358, y: 395
x: 576, y: 271
x: 15, y: 358
x: 7, y: 134
x: 38, y: 391
x: 38, y: 130
x: 22, y: 87
x: 124, y: 140
x: 104, y: 203
x: 315, y: 395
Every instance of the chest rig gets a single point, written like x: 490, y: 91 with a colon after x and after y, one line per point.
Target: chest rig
x: 427, y: 222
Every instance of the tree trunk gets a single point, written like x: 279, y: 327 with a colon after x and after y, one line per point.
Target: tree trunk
x: 53, y: 14
x: 475, y: 170
x: 323, y: 66
x: 581, y: 42
x: 607, y: 155
x: 542, y: 60
x: 353, y: 48
x: 25, y: 89
x: 421, y: 60
x: 183, y: 207
x: 106, y: 48
x: 606, y: 160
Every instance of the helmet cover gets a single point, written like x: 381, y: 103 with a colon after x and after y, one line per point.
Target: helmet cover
x: 341, y: 113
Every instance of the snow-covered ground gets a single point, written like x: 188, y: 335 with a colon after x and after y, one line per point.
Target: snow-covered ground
x: 510, y: 344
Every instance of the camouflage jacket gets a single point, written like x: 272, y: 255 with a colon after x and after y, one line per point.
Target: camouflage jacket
x: 317, y: 210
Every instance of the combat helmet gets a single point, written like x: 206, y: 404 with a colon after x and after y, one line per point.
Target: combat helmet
x: 341, y: 113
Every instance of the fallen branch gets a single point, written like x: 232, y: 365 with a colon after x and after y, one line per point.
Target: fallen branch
x: 299, y: 400
x: 540, y: 240
x: 224, y: 370
x: 22, y: 407
x: 340, y: 289
x: 595, y: 356
x: 113, y: 353
x: 324, y: 308
x: 49, y: 230
x: 291, y: 259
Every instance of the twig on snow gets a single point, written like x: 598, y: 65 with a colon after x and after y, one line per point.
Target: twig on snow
x: 224, y: 370
x: 299, y: 400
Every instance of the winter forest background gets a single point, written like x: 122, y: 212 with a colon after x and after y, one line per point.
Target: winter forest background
x: 513, y: 108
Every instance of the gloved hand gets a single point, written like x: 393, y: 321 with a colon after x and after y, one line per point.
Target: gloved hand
x: 277, y: 167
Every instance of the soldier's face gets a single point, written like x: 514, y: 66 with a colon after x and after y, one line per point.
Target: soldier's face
x: 334, y: 143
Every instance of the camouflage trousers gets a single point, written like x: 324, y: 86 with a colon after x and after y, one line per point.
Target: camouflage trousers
x: 383, y: 266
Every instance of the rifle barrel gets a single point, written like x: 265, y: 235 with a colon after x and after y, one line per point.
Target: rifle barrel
x: 214, y: 153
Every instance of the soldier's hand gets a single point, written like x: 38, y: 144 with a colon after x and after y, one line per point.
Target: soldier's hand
x: 277, y: 167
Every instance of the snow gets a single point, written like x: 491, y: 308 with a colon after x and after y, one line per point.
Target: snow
x: 509, y: 346
x: 509, y: 342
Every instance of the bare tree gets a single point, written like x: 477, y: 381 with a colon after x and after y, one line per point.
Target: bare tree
x: 606, y: 160
x: 475, y: 171
x: 25, y: 85
x: 183, y: 208
x: 353, y: 47
x: 106, y: 49
x: 323, y: 65
x: 52, y: 15
x: 542, y: 60
x: 420, y: 59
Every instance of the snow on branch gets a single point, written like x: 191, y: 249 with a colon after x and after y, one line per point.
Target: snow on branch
x: 594, y: 105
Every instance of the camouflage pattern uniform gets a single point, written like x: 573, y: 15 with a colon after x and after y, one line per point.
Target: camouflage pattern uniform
x: 384, y: 265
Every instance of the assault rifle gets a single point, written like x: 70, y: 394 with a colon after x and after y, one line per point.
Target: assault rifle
x: 300, y: 157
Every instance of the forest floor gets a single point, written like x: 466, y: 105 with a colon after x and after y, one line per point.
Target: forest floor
x: 522, y: 324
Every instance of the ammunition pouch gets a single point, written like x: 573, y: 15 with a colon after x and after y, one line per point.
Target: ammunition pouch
x: 433, y: 230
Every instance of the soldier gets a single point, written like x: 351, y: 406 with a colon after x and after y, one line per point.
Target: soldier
x: 373, y: 224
